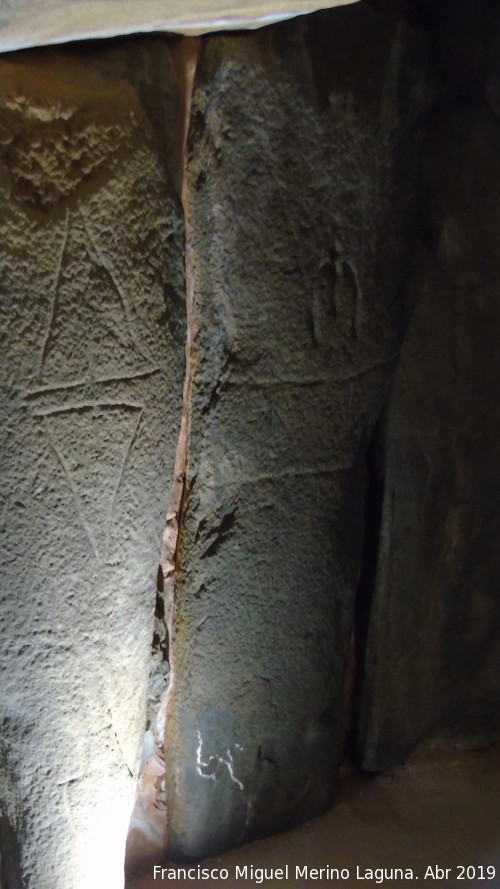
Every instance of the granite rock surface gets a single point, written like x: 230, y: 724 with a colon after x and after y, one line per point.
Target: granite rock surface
x: 300, y: 198
x: 92, y: 320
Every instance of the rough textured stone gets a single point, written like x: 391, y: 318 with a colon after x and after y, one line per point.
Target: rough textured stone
x: 441, y: 806
x: 37, y: 22
x: 301, y: 177
x: 431, y: 670
x: 92, y: 320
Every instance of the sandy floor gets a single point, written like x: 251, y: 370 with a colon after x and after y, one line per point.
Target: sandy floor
x: 442, y: 809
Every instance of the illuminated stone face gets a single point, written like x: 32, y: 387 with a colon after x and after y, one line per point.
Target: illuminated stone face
x: 92, y: 370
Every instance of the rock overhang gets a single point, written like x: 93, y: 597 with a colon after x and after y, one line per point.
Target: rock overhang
x: 27, y: 23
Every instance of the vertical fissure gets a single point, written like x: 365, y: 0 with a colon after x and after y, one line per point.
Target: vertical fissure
x: 374, y: 499
x: 150, y: 812
x: 184, y: 54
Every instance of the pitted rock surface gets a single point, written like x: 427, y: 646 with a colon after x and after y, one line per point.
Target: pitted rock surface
x: 92, y: 322
x: 300, y: 200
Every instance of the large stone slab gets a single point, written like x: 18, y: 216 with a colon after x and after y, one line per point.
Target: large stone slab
x: 432, y: 665
x: 92, y: 320
x: 303, y: 156
x: 38, y: 22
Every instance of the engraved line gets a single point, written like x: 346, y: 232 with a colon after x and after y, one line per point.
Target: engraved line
x: 119, y: 743
x: 70, y: 780
x: 118, y: 378
x: 358, y: 304
x: 57, y: 275
x: 309, y: 381
x: 122, y: 468
x: 84, y: 405
x: 69, y: 813
x: 108, y: 267
x: 72, y: 488
x: 78, y: 776
x: 360, y: 372
x: 289, y: 473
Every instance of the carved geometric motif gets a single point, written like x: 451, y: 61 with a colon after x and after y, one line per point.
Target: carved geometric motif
x: 91, y: 418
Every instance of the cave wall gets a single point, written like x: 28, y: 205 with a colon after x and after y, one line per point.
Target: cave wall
x: 431, y: 672
x: 93, y: 333
x: 322, y: 239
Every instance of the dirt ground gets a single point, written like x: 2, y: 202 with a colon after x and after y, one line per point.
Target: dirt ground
x: 441, y: 810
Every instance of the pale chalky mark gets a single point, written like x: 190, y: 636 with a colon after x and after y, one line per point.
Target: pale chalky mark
x: 214, y: 759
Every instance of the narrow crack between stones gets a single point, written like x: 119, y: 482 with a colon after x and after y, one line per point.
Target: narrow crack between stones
x: 374, y: 500
x: 148, y: 825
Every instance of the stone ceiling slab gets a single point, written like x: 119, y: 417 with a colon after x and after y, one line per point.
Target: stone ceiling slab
x: 26, y: 23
